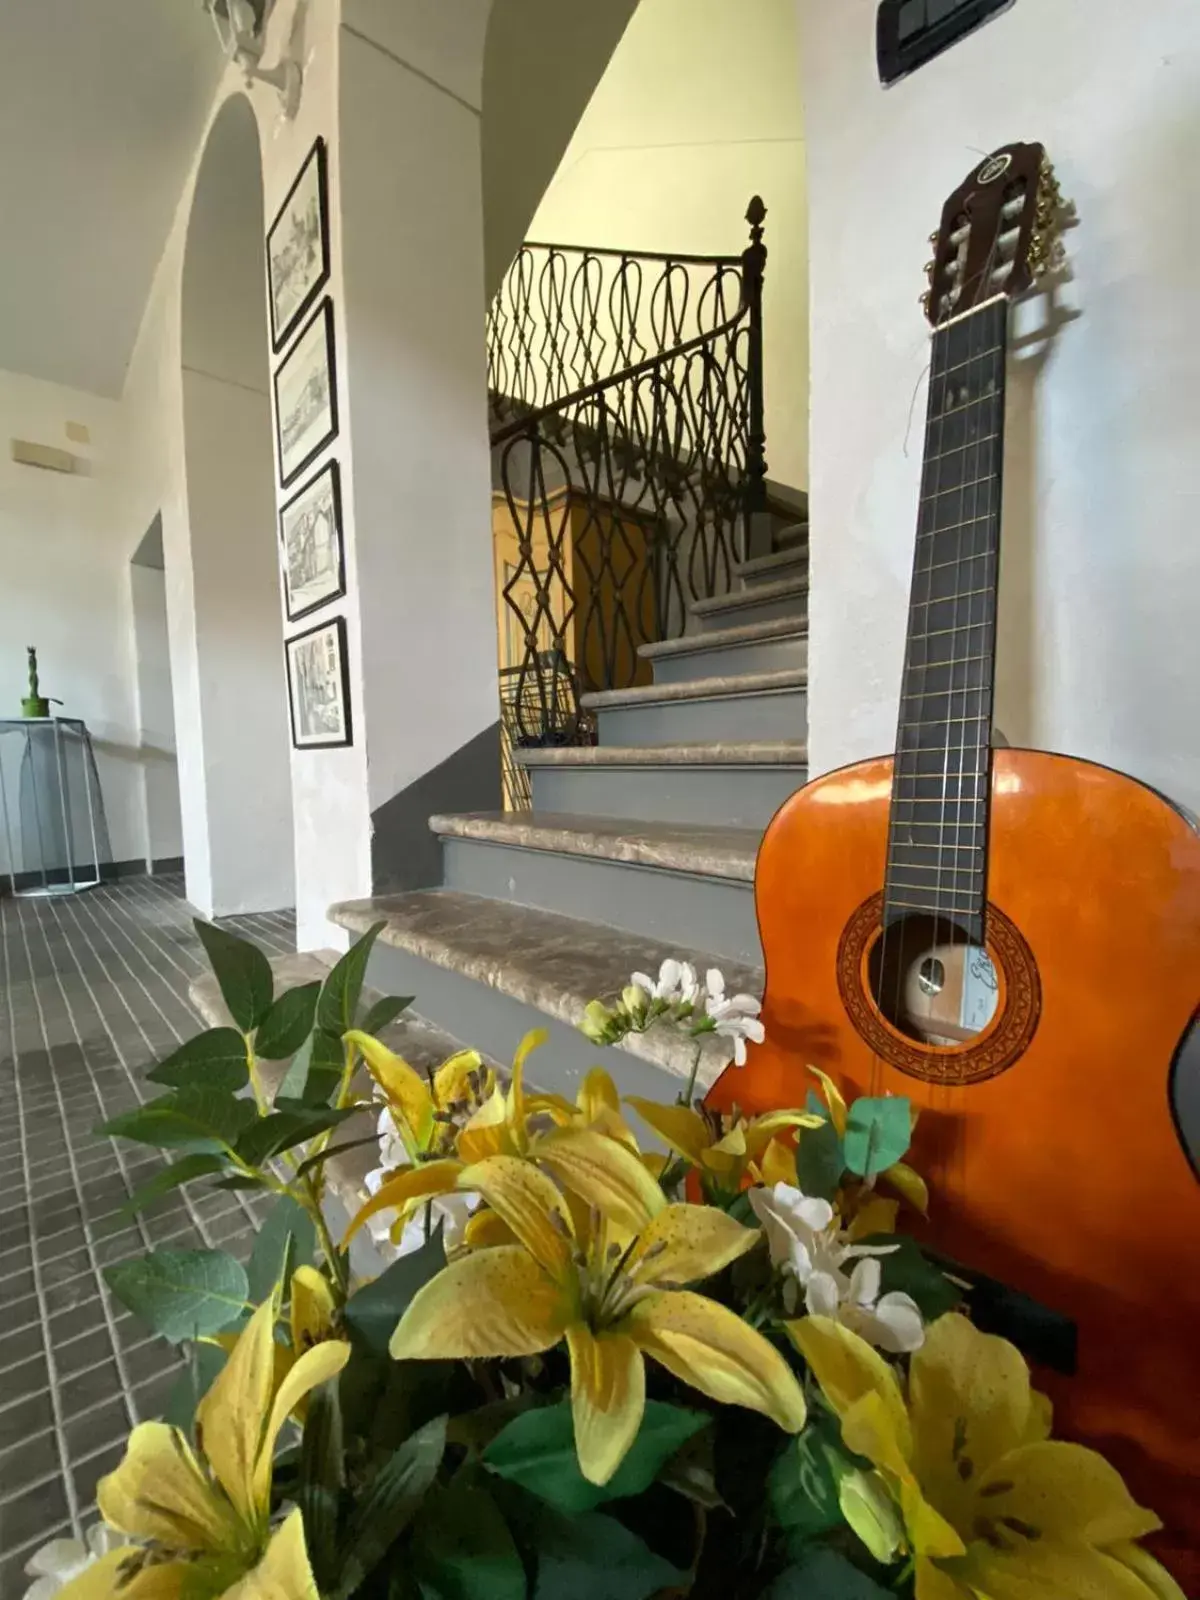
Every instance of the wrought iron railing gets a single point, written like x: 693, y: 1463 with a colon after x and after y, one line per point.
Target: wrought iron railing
x: 628, y: 459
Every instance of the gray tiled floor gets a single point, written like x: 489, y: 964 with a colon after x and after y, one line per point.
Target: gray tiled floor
x: 92, y: 990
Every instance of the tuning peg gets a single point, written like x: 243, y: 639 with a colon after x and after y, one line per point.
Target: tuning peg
x: 930, y: 269
x: 933, y: 238
x: 925, y: 299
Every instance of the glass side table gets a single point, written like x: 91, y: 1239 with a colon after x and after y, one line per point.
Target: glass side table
x: 55, y: 803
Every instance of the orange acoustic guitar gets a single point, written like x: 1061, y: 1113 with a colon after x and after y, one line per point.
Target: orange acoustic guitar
x: 1009, y: 938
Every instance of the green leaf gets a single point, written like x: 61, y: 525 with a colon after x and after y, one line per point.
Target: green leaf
x: 242, y: 972
x: 593, y: 1557
x: 337, y: 1006
x: 907, y: 1269
x: 287, y: 1024
x: 181, y: 1294
x: 823, y: 1574
x: 316, y: 1069
x: 802, y: 1490
x: 373, y: 1312
x: 462, y: 1548
x: 819, y: 1161
x: 212, y: 1060
x: 281, y: 1130
x: 319, y: 1491
x: 211, y: 1118
x: 240, y: 1180
x: 287, y: 1230
x: 877, y: 1134
x: 183, y: 1171
x: 384, y: 1011
x: 388, y: 1504
x: 537, y: 1450
x: 334, y: 1150
x: 204, y: 1362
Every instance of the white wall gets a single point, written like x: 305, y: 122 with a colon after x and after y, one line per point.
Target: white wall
x: 155, y: 714
x: 700, y: 108
x: 1099, y: 647
x: 64, y: 587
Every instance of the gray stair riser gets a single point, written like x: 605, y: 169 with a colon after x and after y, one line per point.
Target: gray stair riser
x: 782, y: 714
x: 742, y: 797
x: 796, y: 567
x: 745, y: 608
x: 496, y: 1023
x: 766, y: 655
x: 710, y: 913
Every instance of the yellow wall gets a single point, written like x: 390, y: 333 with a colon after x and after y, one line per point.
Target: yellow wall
x: 699, y: 109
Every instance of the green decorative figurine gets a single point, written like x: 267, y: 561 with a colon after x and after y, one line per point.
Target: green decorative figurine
x: 34, y: 705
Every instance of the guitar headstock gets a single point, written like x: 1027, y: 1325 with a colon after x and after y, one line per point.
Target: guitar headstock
x: 998, y: 232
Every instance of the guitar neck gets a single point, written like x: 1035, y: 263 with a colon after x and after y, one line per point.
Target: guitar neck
x: 937, y: 844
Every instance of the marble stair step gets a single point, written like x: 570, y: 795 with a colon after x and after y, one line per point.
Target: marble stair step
x: 785, y: 597
x: 421, y: 1042
x: 679, y: 882
x: 491, y: 970
x: 769, y: 646
x: 758, y: 571
x: 742, y: 784
x: 738, y: 707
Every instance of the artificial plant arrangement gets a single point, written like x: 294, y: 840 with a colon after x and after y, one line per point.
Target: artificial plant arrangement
x: 625, y: 1349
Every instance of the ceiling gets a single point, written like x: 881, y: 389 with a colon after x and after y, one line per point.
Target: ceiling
x: 101, y: 108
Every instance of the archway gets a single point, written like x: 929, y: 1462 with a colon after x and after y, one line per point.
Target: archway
x: 234, y: 746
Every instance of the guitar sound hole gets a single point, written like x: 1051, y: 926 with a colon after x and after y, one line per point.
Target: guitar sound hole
x: 931, y: 983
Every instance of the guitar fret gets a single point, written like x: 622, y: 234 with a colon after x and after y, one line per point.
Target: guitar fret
x: 943, y: 905
x: 969, y: 362
x: 940, y: 633
x: 953, y: 599
x: 953, y: 527
x: 915, y: 844
x: 957, y: 488
x: 968, y: 444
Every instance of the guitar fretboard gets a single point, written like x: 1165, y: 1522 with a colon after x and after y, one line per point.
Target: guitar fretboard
x: 937, y: 843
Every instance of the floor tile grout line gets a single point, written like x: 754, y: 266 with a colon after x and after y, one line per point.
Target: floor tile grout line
x: 153, y: 903
x: 89, y: 1242
x: 179, y: 901
x: 64, y: 1456
x: 120, y: 1054
x: 241, y: 1199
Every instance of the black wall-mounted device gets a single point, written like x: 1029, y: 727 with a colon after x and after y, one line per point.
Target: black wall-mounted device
x: 911, y: 32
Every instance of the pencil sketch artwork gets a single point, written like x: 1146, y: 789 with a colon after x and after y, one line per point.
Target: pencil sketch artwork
x: 304, y: 389
x: 317, y: 680
x: 312, y: 545
x: 297, y: 249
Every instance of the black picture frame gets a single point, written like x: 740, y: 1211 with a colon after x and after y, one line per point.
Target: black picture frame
x: 332, y: 471
x: 339, y: 738
x: 282, y: 330
x: 288, y: 474
x: 906, y: 37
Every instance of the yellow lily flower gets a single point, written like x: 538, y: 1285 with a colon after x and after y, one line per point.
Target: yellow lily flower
x: 426, y: 1114
x: 602, y: 1275
x: 597, y: 1105
x: 202, y: 1517
x: 442, y: 1147
x: 727, y: 1152
x: 991, y: 1506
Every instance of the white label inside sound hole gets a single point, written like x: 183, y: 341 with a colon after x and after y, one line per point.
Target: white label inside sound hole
x: 980, y: 990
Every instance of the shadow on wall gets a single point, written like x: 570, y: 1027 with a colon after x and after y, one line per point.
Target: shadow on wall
x: 543, y: 60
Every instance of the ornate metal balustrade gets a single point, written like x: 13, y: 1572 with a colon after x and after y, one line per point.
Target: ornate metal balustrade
x: 628, y: 459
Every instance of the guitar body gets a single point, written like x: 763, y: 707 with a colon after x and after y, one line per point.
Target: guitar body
x: 1048, y: 1138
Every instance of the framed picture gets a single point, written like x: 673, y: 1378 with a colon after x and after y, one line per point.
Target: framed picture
x: 310, y: 532
x: 306, y: 416
x: 298, y: 247
x: 319, y: 686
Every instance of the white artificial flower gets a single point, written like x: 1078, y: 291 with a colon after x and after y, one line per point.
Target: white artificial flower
x: 734, y: 1017
x: 57, y: 1563
x: 892, y: 1322
x: 811, y: 1251
x: 676, y: 983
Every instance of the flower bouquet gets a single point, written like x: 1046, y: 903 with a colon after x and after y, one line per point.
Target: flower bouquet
x: 623, y: 1349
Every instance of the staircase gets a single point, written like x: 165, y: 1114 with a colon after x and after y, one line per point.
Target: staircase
x: 637, y: 848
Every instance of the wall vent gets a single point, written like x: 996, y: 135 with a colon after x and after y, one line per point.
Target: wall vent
x: 911, y: 32
x: 28, y: 454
